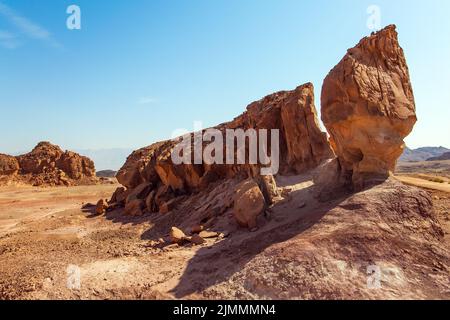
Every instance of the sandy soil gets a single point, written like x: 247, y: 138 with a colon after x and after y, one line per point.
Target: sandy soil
x: 424, y: 183
x: 22, y: 204
x: 437, y: 168
x: 51, y: 249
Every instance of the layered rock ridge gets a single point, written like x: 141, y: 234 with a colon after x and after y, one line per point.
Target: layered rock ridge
x: 151, y: 179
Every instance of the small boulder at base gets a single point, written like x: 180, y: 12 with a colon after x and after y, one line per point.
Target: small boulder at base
x: 101, y: 207
x: 208, y: 234
x: 177, y: 236
x: 197, y: 229
x: 249, y: 203
x: 196, y: 239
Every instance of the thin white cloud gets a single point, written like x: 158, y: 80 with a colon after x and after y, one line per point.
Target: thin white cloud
x: 27, y: 27
x: 8, y: 40
x: 5, y: 35
x: 147, y: 100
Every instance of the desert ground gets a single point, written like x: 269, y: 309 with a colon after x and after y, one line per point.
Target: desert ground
x: 434, y: 175
x: 44, y: 231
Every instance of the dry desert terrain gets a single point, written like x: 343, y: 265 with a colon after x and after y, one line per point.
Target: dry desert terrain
x: 44, y: 231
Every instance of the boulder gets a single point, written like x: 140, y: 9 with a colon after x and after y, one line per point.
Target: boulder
x: 197, y: 229
x: 196, y: 239
x: 101, y: 207
x: 249, y: 203
x: 368, y: 107
x: 177, y: 236
x: 208, y: 234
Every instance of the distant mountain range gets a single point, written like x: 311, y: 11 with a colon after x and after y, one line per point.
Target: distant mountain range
x: 106, y: 159
x: 445, y: 156
x: 106, y: 173
x: 423, y: 154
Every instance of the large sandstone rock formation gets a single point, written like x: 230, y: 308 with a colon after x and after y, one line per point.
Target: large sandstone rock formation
x: 302, y: 147
x: 368, y: 107
x: 48, y: 165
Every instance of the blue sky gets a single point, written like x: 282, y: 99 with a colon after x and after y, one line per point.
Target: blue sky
x: 137, y: 70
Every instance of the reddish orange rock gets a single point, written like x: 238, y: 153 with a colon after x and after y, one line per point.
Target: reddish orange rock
x: 368, y: 107
x: 303, y: 146
x: 48, y: 165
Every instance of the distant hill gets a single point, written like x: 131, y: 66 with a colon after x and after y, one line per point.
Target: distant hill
x: 107, y: 159
x: 422, y: 154
x: 445, y: 156
x: 106, y: 173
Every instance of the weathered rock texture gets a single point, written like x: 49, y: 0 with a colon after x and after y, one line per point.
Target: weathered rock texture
x: 248, y: 203
x: 368, y: 107
x: 325, y: 252
x: 302, y: 147
x: 48, y: 165
x: 8, y: 165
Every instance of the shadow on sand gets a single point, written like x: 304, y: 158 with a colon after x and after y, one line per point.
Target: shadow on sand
x: 216, y: 264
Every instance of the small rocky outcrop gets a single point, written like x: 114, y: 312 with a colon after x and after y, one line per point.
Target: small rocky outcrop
x: 8, y: 165
x: 101, y: 207
x: 249, y: 203
x: 368, y: 107
x: 47, y: 165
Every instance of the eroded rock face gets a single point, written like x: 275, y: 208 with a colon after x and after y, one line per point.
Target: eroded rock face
x: 8, y: 165
x: 368, y: 107
x: 302, y: 146
x: 47, y: 164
